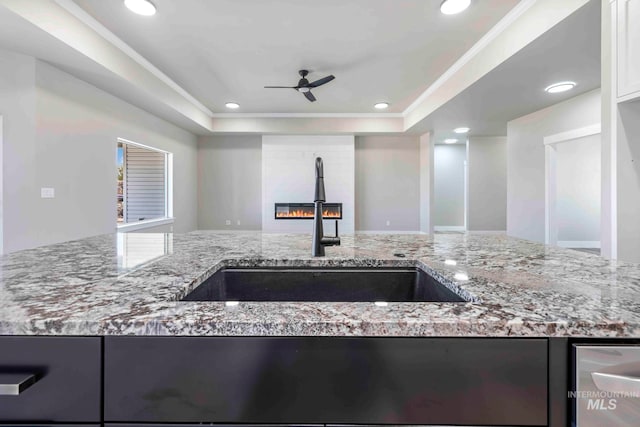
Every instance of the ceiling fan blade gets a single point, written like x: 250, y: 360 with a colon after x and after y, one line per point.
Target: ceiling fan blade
x: 321, y: 81
x: 280, y: 87
x: 310, y: 96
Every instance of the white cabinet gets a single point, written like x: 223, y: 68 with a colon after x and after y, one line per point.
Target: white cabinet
x: 628, y: 51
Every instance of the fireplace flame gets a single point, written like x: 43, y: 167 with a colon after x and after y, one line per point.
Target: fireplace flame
x: 302, y: 213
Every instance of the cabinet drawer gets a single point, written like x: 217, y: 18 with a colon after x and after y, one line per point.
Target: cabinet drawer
x: 67, y: 379
x: 309, y: 380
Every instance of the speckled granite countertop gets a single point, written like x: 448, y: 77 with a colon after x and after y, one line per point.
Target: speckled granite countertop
x: 132, y: 283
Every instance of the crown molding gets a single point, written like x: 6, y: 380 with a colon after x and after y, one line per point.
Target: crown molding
x: 74, y: 9
x: 506, y: 22
x: 308, y: 115
x: 484, y: 41
x: 71, y: 7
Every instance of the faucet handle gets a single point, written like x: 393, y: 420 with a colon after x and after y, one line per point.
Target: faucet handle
x: 331, y: 240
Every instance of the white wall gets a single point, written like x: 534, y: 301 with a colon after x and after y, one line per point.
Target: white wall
x: 288, y: 175
x: 449, y: 176
x: 487, y: 163
x: 578, y: 180
x: 526, y: 159
x: 61, y: 132
x: 387, y: 183
x: 230, y: 182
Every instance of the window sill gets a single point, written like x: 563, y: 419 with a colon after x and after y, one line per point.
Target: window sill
x: 141, y: 225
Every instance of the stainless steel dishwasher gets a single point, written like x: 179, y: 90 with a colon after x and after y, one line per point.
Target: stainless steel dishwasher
x: 607, y: 385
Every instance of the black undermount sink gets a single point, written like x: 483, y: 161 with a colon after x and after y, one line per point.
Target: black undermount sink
x: 323, y: 285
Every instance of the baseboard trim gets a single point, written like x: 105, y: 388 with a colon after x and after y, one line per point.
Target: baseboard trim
x: 389, y: 232
x: 220, y: 230
x: 500, y: 232
x: 580, y: 244
x: 449, y: 228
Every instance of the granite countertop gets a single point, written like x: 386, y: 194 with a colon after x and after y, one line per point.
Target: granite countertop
x: 131, y: 284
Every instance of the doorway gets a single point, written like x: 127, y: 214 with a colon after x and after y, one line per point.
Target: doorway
x: 573, y: 189
x: 450, y: 187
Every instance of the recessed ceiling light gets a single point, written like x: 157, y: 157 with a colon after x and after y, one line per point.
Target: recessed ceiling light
x: 451, y: 7
x: 232, y: 105
x: 560, y: 87
x: 141, y: 7
x: 381, y: 105
x: 461, y: 130
x: 450, y: 141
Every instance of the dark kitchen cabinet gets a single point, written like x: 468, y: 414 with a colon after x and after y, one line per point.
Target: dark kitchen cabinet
x: 51, y: 425
x: 67, y: 373
x: 216, y: 425
x: 313, y: 380
x: 279, y: 381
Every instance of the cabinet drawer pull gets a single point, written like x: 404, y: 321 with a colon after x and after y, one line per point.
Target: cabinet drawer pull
x: 616, y: 383
x: 14, y: 384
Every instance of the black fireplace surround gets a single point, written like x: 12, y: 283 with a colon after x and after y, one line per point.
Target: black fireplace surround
x: 305, y: 210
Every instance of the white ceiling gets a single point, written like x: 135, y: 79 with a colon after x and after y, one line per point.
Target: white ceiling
x: 227, y: 50
x: 18, y: 35
x: 569, y: 51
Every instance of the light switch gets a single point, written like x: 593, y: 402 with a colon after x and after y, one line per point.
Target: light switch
x: 47, y: 193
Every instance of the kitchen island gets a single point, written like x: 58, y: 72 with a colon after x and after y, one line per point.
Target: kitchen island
x: 132, y: 285
x: 101, y: 325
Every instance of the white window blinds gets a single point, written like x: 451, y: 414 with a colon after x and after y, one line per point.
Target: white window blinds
x: 145, y: 182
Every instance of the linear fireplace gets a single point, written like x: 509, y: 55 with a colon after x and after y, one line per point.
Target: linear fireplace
x: 305, y: 210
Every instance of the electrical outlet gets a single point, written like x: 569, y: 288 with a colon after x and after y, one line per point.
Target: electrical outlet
x: 388, y: 223
x: 228, y: 222
x: 238, y: 222
x: 47, y: 193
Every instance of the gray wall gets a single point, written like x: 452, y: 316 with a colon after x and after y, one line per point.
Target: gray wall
x: 17, y: 107
x: 61, y: 132
x: 526, y: 159
x: 578, y: 181
x: 230, y: 182
x: 487, y: 209
x: 427, y: 161
x: 449, y: 185
x: 628, y: 181
x: 387, y: 183
x: 608, y: 88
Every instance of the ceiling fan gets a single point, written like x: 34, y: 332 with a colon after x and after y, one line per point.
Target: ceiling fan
x: 304, y: 86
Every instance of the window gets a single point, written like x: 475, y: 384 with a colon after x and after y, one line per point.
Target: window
x: 144, y: 186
